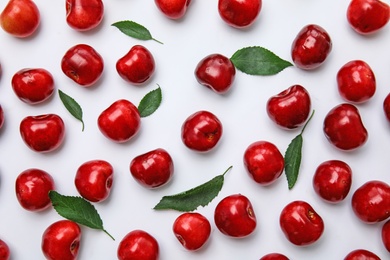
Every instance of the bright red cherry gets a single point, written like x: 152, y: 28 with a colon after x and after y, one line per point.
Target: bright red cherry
x: 361, y: 254
x: 274, y: 256
x: 138, y: 244
x: 173, y: 9
x: 84, y: 15
x: 239, y: 13
x: 4, y: 251
x: 385, y: 235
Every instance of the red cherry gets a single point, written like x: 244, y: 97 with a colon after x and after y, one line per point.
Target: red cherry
x: 120, y: 121
x: 239, y: 13
x: 32, y: 188
x: 300, y: 223
x: 371, y: 202
x: 201, y: 131
x: 263, y: 162
x: 84, y: 15
x: 138, y: 244
x: 152, y: 169
x: 83, y: 64
x: 94, y: 179
x: 216, y: 72
x: 361, y: 254
x: 20, y: 18
x: 234, y: 216
x: 173, y: 9
x: 4, y: 250
x: 33, y: 86
x: 137, y: 66
x: 274, y: 256
x: 1, y: 117
x: 61, y: 240
x: 356, y: 81
x: 367, y: 16
x: 311, y: 47
x: 290, y: 108
x: 343, y: 127
x: 332, y: 180
x: 43, y: 133
x: 192, y: 230
x: 386, y: 107
x: 385, y: 235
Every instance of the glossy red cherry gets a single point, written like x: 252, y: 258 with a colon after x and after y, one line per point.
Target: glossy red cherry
x: 239, y: 13
x: 386, y: 107
x: 138, y: 244
x: 83, y: 64
x: 152, y: 169
x: 332, y: 180
x: 311, y: 47
x: 344, y: 128
x: 371, y: 201
x: 4, y: 250
x: 367, y: 16
x: 192, y: 230
x: 33, y: 86
x: 94, y: 180
x: 84, y: 15
x: 1, y: 117
x: 173, y: 9
x: 234, y: 216
x: 290, y: 108
x: 361, y: 254
x: 43, y: 133
x: 20, y: 18
x: 385, y: 235
x: 300, y: 223
x: 201, y: 131
x: 216, y: 72
x: 137, y: 66
x: 61, y: 240
x: 120, y: 121
x: 356, y: 81
x: 32, y: 188
x: 274, y: 256
x: 263, y: 162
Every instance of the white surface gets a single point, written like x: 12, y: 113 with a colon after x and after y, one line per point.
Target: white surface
x: 242, y: 113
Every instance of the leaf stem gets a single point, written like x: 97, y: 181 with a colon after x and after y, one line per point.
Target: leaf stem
x: 105, y: 231
x: 157, y: 41
x: 303, y: 129
x: 231, y: 166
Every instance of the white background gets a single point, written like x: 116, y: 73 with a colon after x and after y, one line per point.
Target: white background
x: 242, y: 112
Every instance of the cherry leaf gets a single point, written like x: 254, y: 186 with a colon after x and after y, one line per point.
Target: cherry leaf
x: 191, y: 199
x: 77, y: 209
x: 293, y: 157
x: 256, y: 60
x: 72, y: 106
x: 150, y: 102
x: 134, y: 30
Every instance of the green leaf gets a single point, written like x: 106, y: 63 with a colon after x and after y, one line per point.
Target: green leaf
x: 72, y: 106
x: 77, y: 209
x: 191, y: 199
x: 134, y: 30
x: 257, y: 60
x: 293, y: 157
x: 150, y: 102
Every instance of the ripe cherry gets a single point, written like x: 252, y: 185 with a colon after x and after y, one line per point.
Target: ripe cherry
x: 33, y: 86
x: 1, y: 117
x: 300, y: 223
x: 234, y: 216
x: 274, y: 256
x: 361, y: 254
x: 61, y: 240
x: 138, y: 244
x: 83, y: 64
x: 311, y: 47
x: 239, y: 13
x: 84, y: 15
x: 263, y: 162
x: 385, y: 235
x: 4, y: 250
x: 356, y: 81
x: 343, y: 127
x: 94, y: 180
x: 367, y: 16
x: 43, y: 133
x: 386, y: 107
x: 290, y: 108
x: 32, y: 188
x: 120, y: 121
x: 192, y: 230
x: 152, y: 169
x: 173, y: 9
x: 216, y: 72
x: 137, y: 66
x: 332, y: 180
x: 371, y: 201
x: 201, y: 131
